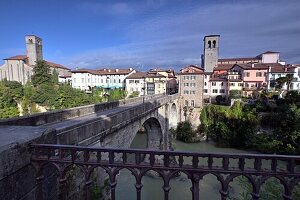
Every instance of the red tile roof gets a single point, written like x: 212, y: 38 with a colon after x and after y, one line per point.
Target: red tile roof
x: 223, y: 67
x: 255, y: 66
x: 55, y: 65
x: 217, y: 79
x: 186, y: 70
x: 104, y: 71
x: 137, y: 75
x: 237, y: 59
x: 17, y: 57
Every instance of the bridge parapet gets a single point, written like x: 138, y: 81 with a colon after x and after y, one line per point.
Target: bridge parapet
x: 223, y: 166
x: 65, y: 114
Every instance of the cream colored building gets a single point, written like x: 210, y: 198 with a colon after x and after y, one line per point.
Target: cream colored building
x: 86, y: 79
x: 20, y: 67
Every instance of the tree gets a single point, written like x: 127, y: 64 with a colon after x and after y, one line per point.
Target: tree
x: 184, y: 132
x: 55, y: 77
x: 279, y: 82
x: 235, y: 94
x: 41, y: 74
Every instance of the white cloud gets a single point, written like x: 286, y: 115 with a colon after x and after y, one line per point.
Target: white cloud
x: 173, y: 37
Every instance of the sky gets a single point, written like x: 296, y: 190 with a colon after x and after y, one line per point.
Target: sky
x: 146, y: 34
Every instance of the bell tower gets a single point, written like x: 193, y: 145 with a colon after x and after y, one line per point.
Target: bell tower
x: 34, y: 49
x: 211, y: 52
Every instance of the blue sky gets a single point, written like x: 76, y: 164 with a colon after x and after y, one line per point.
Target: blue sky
x: 150, y: 33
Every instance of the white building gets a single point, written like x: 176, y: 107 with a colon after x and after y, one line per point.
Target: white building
x: 86, y: 79
x: 20, y: 67
x: 136, y: 83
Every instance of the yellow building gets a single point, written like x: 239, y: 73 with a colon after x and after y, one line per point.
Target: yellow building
x: 156, y: 84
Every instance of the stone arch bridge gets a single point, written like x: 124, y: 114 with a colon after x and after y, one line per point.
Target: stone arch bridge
x: 111, y: 124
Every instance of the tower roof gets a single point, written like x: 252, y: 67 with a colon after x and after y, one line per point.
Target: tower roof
x: 210, y: 36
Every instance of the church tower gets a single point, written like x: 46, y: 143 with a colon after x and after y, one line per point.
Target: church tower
x: 34, y: 49
x: 211, y: 52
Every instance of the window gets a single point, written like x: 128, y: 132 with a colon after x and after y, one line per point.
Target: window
x: 186, y: 102
x: 131, y: 81
x: 222, y: 83
x: 258, y: 74
x: 101, y: 80
x: 88, y: 80
x: 193, y: 77
x: 137, y: 81
x: 193, y: 84
x: 186, y: 84
x: 187, y: 77
x: 192, y: 92
x: 205, y: 83
x: 82, y: 80
x: 74, y: 80
x: 214, y: 44
x: 213, y: 83
x: 193, y: 103
x: 205, y: 90
x: 240, y: 84
x: 222, y: 91
x: 215, y: 91
x: 247, y: 74
x: 119, y: 80
x: 185, y: 92
x: 114, y: 80
x: 209, y: 44
x: 232, y: 84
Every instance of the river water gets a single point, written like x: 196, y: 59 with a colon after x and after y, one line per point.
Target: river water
x: 180, y: 186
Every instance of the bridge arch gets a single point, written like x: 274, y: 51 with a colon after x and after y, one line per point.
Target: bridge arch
x: 154, y: 133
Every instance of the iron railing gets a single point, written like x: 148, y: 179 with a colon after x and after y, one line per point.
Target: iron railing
x: 257, y: 168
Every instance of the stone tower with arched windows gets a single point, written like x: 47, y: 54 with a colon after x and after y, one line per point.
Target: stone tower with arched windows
x: 211, y: 52
x: 34, y: 49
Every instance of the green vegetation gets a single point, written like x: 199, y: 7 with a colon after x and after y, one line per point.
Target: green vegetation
x: 184, y: 132
x: 235, y: 94
x: 45, y: 92
x: 240, y: 126
x: 271, y: 189
x: 229, y: 126
x: 134, y: 94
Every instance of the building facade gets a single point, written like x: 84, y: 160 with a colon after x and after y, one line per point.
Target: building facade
x: 86, y: 79
x: 20, y: 67
x: 191, y: 79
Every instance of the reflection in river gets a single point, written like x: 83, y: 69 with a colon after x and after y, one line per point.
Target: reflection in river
x: 180, y: 186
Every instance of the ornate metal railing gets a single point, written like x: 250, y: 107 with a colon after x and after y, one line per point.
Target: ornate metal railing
x: 257, y: 168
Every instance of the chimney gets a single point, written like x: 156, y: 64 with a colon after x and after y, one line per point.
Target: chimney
x: 108, y: 70
x: 252, y: 65
x: 117, y: 70
x: 130, y: 69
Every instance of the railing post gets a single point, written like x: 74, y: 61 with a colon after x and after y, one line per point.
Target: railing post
x: 62, y: 189
x: 39, y: 190
x: 166, y: 188
x: 138, y: 186
x: 195, y: 186
x: 87, y: 188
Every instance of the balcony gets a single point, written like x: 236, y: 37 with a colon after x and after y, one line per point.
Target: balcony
x: 167, y: 164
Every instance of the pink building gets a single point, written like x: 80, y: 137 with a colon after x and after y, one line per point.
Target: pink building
x: 254, y: 76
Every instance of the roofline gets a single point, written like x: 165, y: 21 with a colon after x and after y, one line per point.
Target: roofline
x: 210, y: 36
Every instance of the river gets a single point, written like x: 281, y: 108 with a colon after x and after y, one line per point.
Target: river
x: 180, y: 186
